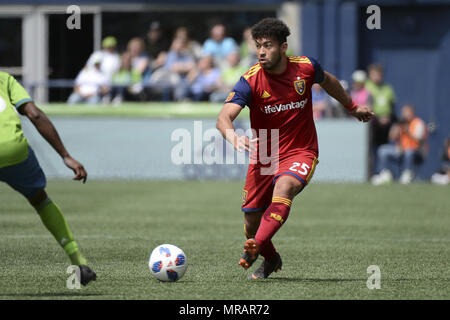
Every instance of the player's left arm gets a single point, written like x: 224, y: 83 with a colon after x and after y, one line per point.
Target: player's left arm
x: 48, y: 131
x: 333, y: 87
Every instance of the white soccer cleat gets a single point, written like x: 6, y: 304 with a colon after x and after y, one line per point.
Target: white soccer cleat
x: 407, y: 177
x: 384, y: 177
x: 442, y: 179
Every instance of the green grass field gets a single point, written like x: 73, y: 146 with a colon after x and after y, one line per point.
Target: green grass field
x: 333, y: 234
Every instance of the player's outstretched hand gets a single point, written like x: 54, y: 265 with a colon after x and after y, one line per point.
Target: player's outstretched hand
x: 78, y: 169
x: 362, y: 113
x: 244, y: 143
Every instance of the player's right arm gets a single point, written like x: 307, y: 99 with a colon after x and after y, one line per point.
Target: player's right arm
x: 236, y: 101
x: 48, y: 131
x: 225, y: 125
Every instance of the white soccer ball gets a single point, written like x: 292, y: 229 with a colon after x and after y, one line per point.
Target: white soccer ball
x: 167, y: 263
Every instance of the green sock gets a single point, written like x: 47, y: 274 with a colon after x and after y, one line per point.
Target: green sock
x: 54, y: 221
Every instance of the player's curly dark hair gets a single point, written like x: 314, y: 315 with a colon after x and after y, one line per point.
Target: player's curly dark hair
x: 271, y: 28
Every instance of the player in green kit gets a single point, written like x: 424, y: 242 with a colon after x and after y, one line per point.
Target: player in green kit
x: 20, y: 169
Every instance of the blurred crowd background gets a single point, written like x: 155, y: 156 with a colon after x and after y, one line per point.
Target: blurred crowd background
x: 179, y: 68
x: 164, y: 67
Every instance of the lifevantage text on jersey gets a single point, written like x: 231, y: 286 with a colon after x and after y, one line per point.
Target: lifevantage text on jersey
x: 283, y: 107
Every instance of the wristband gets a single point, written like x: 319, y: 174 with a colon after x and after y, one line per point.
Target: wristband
x: 351, y: 106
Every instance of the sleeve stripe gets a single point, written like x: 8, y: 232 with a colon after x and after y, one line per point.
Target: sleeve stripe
x: 300, y: 60
x: 251, y: 73
x: 254, y: 67
x: 21, y: 102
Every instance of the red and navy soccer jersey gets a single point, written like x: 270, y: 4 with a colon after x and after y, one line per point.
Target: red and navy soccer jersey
x: 282, y: 102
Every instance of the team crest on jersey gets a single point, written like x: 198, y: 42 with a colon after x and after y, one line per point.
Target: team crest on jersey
x: 300, y: 86
x: 230, y: 96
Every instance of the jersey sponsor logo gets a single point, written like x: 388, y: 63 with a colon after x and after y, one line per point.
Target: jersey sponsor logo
x: 283, y: 107
x: 230, y: 96
x: 299, y: 86
x: 265, y: 95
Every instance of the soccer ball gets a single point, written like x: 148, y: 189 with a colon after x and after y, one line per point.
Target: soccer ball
x: 167, y: 263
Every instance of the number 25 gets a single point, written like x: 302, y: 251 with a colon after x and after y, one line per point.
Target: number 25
x: 303, y: 166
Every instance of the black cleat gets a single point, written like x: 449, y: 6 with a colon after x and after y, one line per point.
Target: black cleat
x: 87, y: 275
x: 251, y: 253
x: 267, y: 267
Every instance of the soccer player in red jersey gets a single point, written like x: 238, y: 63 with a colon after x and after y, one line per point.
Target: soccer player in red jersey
x: 278, y: 92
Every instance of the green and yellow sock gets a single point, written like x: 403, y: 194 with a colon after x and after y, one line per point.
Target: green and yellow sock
x: 55, y: 222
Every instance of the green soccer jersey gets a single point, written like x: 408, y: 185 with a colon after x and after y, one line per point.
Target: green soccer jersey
x: 383, y: 98
x: 13, y: 144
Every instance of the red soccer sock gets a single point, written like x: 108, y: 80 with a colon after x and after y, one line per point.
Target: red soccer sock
x: 272, y: 219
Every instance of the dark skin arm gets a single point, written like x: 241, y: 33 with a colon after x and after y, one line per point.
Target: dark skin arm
x: 48, y: 131
x: 225, y: 125
x: 333, y: 87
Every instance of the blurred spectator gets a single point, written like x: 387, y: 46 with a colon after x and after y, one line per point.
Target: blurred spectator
x: 123, y: 80
x: 201, y: 81
x: 179, y: 59
x: 383, y: 106
x: 90, y: 85
x: 229, y: 77
x: 334, y: 108
x: 219, y: 46
x: 443, y: 176
x: 408, y: 148
x: 157, y: 45
x: 192, y: 46
x: 178, y: 63
x: 319, y: 101
x: 248, y: 48
x: 108, y: 57
x: 360, y: 95
x: 139, y: 63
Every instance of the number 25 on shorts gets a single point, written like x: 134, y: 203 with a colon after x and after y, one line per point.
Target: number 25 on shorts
x: 303, y: 170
